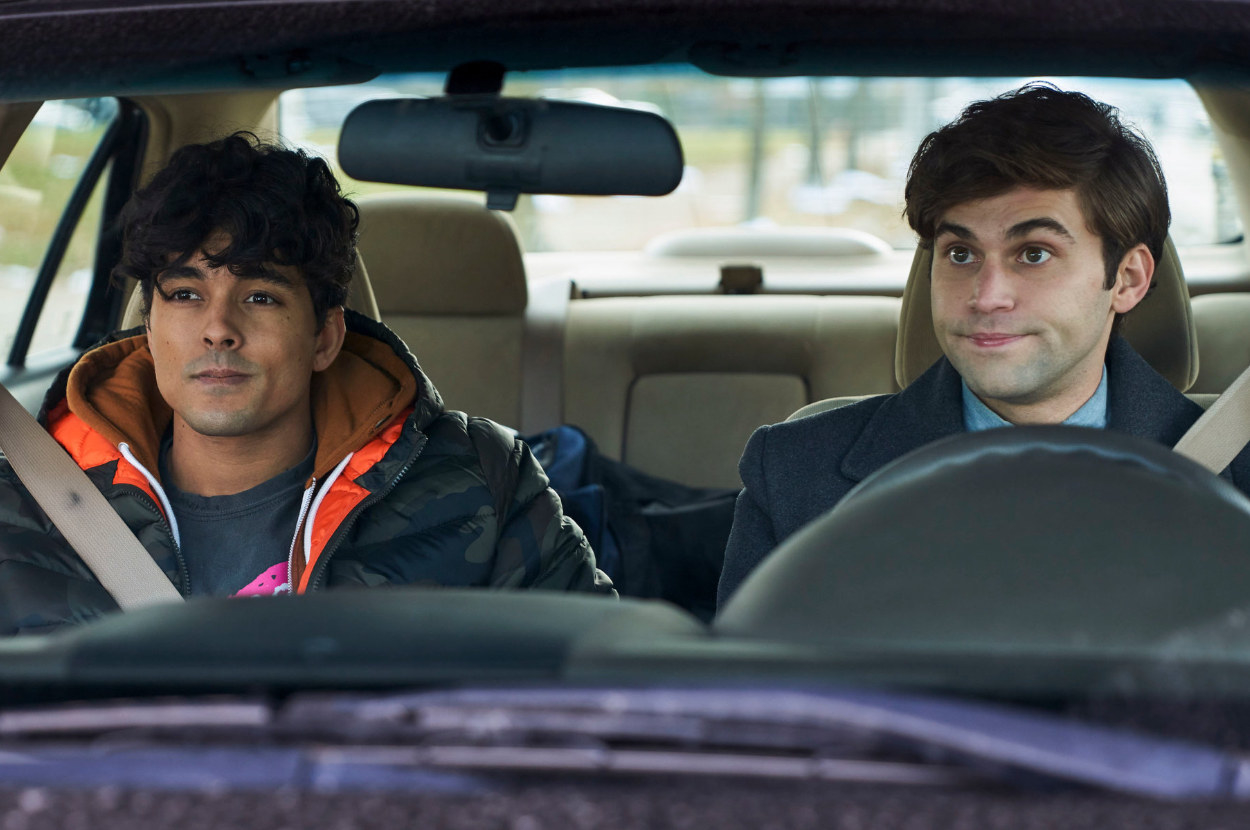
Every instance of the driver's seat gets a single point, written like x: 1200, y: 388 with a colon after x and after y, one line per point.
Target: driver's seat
x: 1161, y: 329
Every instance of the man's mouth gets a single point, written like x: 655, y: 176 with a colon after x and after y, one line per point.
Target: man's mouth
x: 993, y: 340
x: 219, y: 376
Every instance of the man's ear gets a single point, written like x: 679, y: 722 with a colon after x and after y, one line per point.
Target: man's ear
x: 1132, y: 279
x: 329, y: 339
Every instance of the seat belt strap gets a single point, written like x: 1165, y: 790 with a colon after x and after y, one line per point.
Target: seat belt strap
x: 80, y: 511
x: 542, y: 354
x: 1223, y: 430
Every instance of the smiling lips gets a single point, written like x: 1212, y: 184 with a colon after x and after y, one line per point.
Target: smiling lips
x: 993, y: 341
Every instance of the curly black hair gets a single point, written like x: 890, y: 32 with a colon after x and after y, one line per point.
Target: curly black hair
x: 275, y: 205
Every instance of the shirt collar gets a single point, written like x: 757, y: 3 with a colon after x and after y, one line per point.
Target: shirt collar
x: 1093, y: 413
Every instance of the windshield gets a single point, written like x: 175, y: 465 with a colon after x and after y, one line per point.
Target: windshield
x: 793, y: 152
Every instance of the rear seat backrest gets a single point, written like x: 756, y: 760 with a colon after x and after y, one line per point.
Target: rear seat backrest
x: 1223, y: 323
x: 449, y: 279
x: 675, y: 385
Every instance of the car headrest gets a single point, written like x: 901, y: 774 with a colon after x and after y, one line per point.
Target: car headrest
x: 1160, y: 328
x: 359, y: 298
x: 430, y: 256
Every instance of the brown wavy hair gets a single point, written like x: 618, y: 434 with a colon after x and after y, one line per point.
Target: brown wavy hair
x: 1040, y: 136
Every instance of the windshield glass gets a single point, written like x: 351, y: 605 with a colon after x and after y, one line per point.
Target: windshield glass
x: 792, y: 152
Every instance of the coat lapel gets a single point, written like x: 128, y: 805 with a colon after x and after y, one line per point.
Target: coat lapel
x: 929, y: 409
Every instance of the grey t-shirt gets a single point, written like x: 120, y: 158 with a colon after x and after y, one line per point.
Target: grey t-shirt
x: 239, y: 543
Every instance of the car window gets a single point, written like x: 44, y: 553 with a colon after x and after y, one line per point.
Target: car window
x: 37, y: 197
x: 829, y: 152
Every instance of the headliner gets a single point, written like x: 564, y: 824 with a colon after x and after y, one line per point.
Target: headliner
x: 70, y: 48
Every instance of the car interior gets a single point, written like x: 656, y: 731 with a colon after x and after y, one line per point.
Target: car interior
x: 667, y: 354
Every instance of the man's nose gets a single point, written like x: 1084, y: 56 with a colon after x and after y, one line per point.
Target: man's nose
x: 221, y: 329
x: 993, y: 288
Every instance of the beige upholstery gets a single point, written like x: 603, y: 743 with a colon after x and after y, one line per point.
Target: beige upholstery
x: 768, y: 242
x: 1223, y: 324
x: 449, y: 279
x: 816, y: 407
x: 359, y: 297
x: 675, y: 385
x: 1161, y: 328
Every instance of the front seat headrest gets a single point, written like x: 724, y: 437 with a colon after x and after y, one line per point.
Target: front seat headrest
x: 433, y: 255
x: 1160, y: 328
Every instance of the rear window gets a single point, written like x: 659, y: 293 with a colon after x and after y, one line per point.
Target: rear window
x: 827, y: 152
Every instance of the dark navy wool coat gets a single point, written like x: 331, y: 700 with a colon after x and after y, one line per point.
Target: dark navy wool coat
x: 796, y: 471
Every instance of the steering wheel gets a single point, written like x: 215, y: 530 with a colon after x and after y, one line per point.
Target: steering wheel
x: 1053, y: 538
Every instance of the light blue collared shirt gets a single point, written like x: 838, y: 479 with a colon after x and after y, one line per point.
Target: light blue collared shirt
x: 1093, y: 413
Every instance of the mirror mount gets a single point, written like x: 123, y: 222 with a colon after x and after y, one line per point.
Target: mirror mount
x: 475, y: 78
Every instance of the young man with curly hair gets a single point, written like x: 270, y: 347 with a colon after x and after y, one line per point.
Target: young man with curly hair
x: 1046, y: 215
x: 260, y: 439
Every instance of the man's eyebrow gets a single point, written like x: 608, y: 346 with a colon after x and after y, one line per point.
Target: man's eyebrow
x: 1041, y: 223
x: 184, y: 271
x: 188, y: 271
x: 268, y: 275
x: 955, y: 230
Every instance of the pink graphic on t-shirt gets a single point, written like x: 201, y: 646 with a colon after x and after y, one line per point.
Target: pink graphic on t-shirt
x: 272, y: 582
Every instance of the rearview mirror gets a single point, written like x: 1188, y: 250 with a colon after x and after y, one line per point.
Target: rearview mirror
x: 508, y: 146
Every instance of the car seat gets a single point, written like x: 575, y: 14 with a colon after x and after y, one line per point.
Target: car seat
x: 450, y: 281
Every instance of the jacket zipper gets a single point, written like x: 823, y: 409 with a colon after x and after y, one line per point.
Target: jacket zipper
x: 309, y: 492
x: 168, y: 520
x: 319, y: 570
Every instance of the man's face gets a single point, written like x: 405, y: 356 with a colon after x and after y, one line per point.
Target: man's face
x: 235, y: 355
x: 1019, y: 305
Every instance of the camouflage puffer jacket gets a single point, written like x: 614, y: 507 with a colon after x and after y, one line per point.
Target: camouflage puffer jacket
x: 408, y: 493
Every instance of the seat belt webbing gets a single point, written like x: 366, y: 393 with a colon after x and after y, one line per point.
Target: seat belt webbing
x: 80, y: 511
x: 1223, y: 430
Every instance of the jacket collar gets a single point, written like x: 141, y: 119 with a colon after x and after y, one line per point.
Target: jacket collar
x: 927, y: 410
x: 112, y: 389
x: 1139, y: 402
x: 1142, y: 402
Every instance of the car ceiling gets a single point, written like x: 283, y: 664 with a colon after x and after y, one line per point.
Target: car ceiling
x: 72, y: 48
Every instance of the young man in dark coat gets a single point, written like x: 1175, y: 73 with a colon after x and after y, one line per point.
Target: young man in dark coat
x: 259, y: 439
x: 1046, y: 216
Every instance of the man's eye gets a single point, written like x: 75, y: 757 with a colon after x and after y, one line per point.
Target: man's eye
x: 1034, y: 256
x: 181, y: 295
x: 959, y: 255
x: 260, y: 298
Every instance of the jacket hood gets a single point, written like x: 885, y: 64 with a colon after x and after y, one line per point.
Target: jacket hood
x: 113, y: 390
